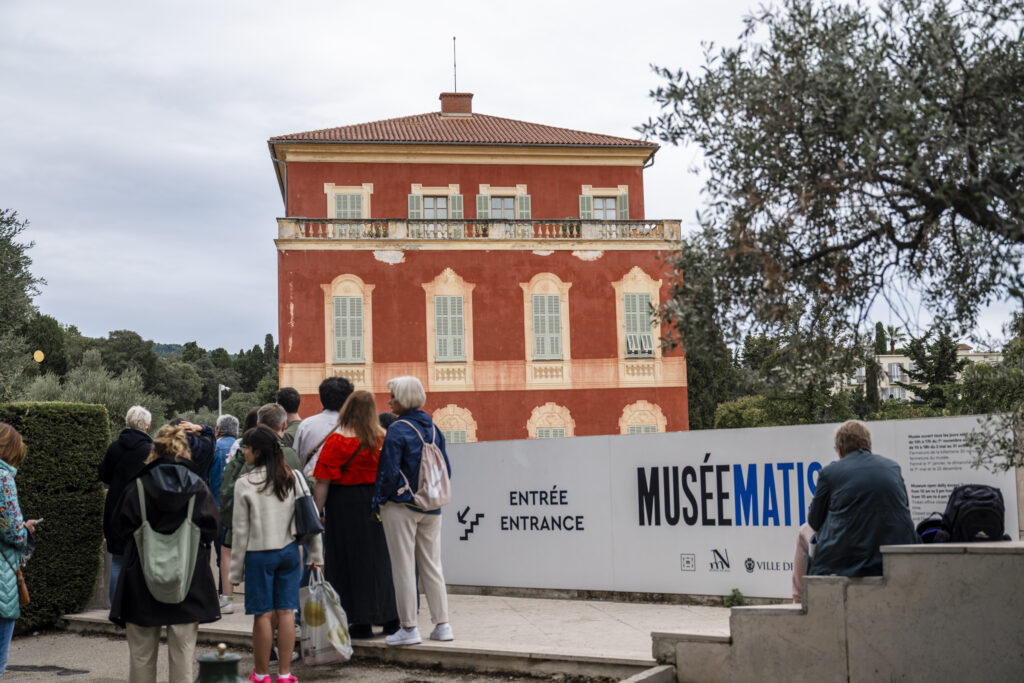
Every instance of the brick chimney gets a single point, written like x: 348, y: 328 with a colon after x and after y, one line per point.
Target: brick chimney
x: 456, y: 103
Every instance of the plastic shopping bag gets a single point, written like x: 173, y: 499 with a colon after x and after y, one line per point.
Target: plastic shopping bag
x: 325, y: 638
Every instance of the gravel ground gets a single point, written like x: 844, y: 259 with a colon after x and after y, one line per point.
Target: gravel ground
x: 101, y: 659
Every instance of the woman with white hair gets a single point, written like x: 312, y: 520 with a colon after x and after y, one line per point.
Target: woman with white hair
x: 413, y: 535
x: 125, y: 458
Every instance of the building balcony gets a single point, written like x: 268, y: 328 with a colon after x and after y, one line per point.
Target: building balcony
x: 472, y: 230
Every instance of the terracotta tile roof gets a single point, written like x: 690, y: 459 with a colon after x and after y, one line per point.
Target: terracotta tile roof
x: 478, y: 129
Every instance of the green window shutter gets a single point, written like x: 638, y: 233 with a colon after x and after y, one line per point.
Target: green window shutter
x: 586, y: 207
x: 639, y: 337
x: 642, y: 429
x: 522, y: 206
x: 622, y: 207
x: 449, y: 329
x: 483, y: 206
x: 455, y: 435
x: 455, y: 207
x: 348, y: 329
x: 415, y: 206
x: 638, y: 324
x: 547, y: 327
x: 348, y: 206
x: 550, y: 432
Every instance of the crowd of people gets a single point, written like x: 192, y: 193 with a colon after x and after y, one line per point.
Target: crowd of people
x: 211, y: 490
x: 229, y: 492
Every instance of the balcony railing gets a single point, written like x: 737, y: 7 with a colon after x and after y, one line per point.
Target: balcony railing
x: 471, y: 229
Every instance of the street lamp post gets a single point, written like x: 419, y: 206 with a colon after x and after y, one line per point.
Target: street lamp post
x: 220, y: 388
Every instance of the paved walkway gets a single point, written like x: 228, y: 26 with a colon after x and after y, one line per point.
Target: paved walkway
x: 515, y: 635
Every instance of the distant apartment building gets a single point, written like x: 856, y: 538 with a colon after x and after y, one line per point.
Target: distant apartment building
x: 508, y: 265
x: 895, y: 367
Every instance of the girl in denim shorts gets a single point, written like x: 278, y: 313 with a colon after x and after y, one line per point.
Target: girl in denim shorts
x: 264, y: 552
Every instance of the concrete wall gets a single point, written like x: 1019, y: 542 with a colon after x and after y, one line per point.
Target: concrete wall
x: 939, y: 613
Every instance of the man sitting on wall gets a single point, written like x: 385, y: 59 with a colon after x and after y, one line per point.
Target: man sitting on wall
x: 859, y: 505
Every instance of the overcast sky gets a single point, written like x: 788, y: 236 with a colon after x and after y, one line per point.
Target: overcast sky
x: 134, y: 133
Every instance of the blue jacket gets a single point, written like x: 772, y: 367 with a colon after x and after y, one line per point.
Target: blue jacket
x: 860, y: 504
x: 402, y: 451
x: 220, y: 459
x: 15, y: 542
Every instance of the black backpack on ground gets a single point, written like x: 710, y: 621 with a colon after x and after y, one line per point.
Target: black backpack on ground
x: 974, y: 513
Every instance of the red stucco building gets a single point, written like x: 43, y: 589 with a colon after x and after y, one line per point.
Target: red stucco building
x: 506, y: 264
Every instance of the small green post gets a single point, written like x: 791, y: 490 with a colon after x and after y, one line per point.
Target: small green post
x: 219, y: 667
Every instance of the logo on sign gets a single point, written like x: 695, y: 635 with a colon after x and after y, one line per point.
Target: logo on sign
x: 719, y: 560
x: 753, y: 565
x: 687, y: 562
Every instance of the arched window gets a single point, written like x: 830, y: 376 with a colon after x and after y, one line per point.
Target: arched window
x: 550, y: 421
x: 642, y: 417
x: 457, y: 424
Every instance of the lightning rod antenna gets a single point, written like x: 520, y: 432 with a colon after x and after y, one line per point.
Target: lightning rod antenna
x: 455, y: 77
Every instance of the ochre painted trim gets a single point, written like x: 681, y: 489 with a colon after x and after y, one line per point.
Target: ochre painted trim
x: 550, y: 415
x: 487, y: 376
x: 553, y: 374
x: 604, y: 191
x: 331, y: 190
x: 455, y: 417
x: 636, y: 281
x: 463, y: 154
x: 450, y: 189
x: 449, y: 375
x: 348, y: 285
x: 494, y: 191
x: 642, y: 413
x: 490, y: 244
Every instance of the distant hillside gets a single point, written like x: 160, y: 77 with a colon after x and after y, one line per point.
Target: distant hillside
x: 167, y: 350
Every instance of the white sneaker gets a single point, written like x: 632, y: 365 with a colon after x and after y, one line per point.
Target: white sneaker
x: 442, y: 632
x: 227, y: 605
x: 405, y: 636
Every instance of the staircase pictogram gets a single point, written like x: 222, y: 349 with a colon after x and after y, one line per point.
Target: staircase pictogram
x: 472, y: 525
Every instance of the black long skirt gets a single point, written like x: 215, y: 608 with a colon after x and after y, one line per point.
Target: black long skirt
x: 356, y: 558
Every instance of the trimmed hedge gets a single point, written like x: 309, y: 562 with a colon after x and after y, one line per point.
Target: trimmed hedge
x: 58, y: 481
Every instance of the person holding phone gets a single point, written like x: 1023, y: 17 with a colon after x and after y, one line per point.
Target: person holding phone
x: 16, y: 536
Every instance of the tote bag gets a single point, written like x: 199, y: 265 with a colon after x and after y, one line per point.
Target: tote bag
x: 168, y: 560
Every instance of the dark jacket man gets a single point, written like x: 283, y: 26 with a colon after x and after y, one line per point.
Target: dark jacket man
x: 124, y: 460
x: 860, y: 504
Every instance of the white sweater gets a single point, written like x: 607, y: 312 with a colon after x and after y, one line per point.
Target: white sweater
x: 261, y: 521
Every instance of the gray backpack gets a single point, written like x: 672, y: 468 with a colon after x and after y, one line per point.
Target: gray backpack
x: 434, y: 488
x: 168, y: 560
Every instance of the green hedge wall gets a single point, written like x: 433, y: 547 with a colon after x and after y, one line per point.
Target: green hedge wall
x: 58, y: 481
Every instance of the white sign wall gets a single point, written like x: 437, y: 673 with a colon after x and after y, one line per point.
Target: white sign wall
x: 685, y: 512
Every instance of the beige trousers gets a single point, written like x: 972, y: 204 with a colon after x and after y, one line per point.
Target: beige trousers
x: 414, y: 542
x: 144, y: 642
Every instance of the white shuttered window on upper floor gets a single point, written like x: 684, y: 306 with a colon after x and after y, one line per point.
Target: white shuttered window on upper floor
x: 639, y: 334
x: 547, y: 327
x: 449, y: 328
x: 348, y: 329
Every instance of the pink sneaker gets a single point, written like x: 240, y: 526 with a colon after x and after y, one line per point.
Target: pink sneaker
x: 256, y: 679
x: 286, y: 678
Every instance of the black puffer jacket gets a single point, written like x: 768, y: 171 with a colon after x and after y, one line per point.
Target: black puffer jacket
x: 124, y: 460
x: 168, y: 485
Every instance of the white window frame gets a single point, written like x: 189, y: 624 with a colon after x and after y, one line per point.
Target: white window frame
x: 332, y: 191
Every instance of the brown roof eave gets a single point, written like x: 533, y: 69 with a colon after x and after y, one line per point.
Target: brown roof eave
x: 642, y: 145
